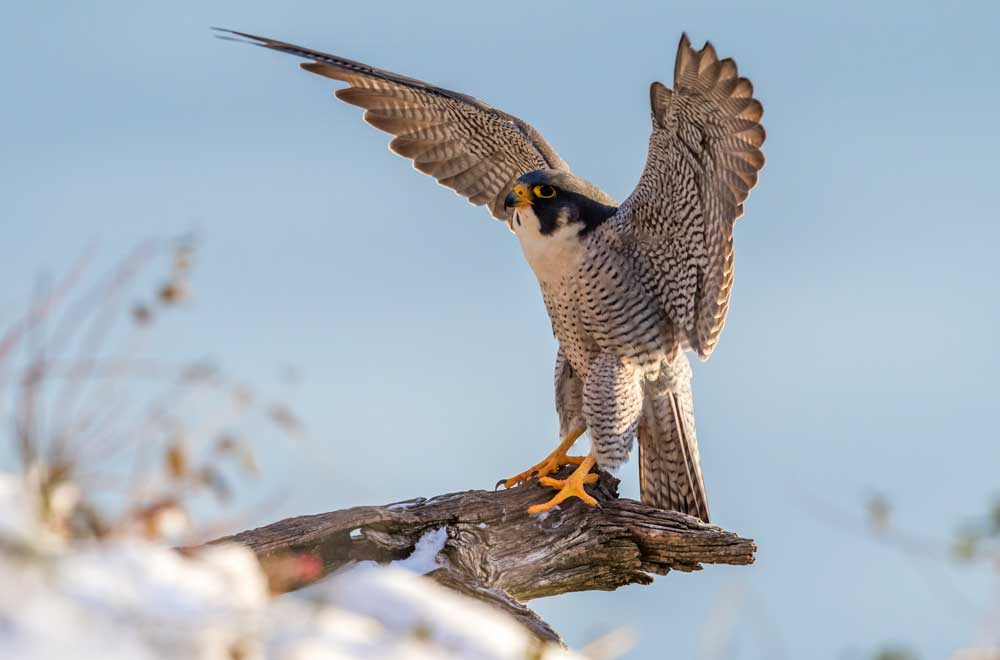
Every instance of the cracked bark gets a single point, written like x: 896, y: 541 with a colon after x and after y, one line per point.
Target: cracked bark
x: 499, y: 554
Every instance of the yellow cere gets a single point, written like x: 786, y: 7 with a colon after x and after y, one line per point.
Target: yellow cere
x: 523, y: 196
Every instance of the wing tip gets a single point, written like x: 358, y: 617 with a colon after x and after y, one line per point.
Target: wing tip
x: 345, y: 70
x: 226, y: 34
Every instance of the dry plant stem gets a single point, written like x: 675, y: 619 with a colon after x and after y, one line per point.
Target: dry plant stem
x: 499, y: 553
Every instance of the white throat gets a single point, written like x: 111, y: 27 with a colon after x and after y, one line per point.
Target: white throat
x: 551, y: 256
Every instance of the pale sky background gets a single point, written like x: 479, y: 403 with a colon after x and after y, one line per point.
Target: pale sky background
x: 860, y: 353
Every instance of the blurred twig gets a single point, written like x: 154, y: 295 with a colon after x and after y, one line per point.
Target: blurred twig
x: 89, y: 390
x: 977, y: 541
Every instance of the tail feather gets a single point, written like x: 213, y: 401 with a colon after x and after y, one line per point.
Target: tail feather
x: 669, y: 465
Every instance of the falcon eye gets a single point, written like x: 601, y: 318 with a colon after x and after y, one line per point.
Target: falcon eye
x: 544, y: 192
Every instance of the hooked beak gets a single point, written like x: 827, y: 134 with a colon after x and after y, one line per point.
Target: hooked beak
x: 519, y: 197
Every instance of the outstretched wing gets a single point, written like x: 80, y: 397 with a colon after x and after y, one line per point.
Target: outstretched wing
x: 704, y: 157
x: 467, y: 145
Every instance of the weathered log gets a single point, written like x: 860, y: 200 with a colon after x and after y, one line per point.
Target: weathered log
x: 498, y: 553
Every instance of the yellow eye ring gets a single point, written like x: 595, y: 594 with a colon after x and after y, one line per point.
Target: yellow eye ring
x: 544, y: 192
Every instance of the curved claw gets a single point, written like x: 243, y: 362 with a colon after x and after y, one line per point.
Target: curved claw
x: 547, y: 466
x: 569, y: 487
x: 550, y: 463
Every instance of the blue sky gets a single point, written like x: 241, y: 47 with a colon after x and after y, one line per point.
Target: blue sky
x: 859, y: 355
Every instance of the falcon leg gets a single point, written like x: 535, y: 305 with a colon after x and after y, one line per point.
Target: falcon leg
x: 550, y: 463
x: 572, y: 486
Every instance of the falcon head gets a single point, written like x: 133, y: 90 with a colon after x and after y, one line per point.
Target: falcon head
x: 545, y: 201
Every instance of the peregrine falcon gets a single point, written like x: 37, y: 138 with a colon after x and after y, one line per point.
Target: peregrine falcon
x: 629, y: 287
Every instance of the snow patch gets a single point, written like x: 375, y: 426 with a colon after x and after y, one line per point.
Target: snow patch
x: 458, y: 627
x: 424, y: 557
x: 132, y: 599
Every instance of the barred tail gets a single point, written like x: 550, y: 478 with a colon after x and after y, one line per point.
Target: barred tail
x: 669, y: 467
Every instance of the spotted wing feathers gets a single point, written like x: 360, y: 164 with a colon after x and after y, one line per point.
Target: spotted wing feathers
x: 704, y: 157
x: 466, y: 144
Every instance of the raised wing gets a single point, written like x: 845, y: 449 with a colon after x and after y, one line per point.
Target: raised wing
x: 467, y: 145
x: 704, y: 157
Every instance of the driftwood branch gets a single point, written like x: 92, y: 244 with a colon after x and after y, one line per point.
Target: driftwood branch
x: 496, y: 552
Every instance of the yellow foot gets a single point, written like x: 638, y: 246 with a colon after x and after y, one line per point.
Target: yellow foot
x: 569, y: 487
x: 549, y: 464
